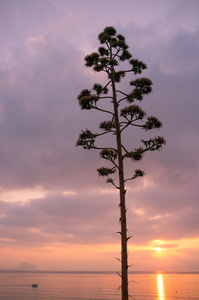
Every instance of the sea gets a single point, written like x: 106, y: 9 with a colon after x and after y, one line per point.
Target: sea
x: 97, y: 285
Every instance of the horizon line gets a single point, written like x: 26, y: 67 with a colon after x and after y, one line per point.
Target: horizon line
x: 94, y: 272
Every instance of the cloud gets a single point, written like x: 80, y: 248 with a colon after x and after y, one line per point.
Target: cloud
x: 94, y: 218
x: 36, y: 111
x: 60, y: 218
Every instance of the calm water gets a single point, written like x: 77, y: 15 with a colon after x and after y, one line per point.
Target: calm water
x: 18, y: 285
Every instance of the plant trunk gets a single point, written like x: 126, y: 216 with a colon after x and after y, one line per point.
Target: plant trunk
x: 124, y: 254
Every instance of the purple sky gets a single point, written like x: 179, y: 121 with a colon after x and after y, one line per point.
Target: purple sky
x: 50, y: 194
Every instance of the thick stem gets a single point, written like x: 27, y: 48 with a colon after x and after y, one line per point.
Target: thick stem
x: 124, y: 255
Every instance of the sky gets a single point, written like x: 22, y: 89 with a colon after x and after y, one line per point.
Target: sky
x: 55, y: 211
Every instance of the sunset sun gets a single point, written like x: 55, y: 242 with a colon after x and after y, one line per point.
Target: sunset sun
x: 158, y: 249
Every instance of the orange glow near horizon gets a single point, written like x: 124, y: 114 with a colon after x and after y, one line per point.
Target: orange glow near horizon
x: 156, y: 256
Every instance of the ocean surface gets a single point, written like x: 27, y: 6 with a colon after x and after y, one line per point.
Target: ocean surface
x: 96, y: 286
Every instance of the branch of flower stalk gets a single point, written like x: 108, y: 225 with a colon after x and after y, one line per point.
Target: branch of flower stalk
x: 138, y: 173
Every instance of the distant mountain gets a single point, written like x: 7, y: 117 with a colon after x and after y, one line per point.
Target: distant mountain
x: 25, y: 266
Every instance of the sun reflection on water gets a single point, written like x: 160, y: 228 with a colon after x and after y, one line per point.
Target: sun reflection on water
x: 160, y: 287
